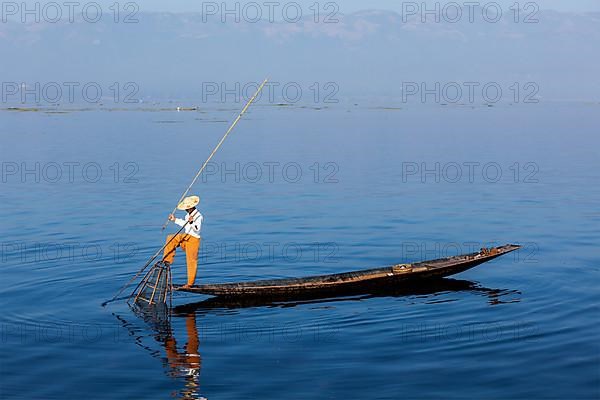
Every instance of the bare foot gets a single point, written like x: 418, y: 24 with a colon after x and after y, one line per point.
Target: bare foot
x: 187, y: 286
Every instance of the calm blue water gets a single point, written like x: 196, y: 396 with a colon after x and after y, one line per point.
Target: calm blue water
x: 316, y: 191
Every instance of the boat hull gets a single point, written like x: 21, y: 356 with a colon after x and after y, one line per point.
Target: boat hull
x: 357, y: 281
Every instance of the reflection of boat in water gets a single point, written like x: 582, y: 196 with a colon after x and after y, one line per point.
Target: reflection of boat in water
x: 182, y: 360
x: 381, y: 279
x: 430, y: 288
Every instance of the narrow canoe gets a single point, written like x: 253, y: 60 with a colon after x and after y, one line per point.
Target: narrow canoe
x: 369, y: 279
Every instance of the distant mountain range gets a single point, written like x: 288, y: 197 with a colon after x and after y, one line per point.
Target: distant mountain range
x: 368, y: 52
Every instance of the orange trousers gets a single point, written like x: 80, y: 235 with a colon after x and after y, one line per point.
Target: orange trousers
x: 190, y: 245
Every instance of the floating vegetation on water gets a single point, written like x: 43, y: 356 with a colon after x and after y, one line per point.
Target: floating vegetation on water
x: 314, y: 108
x: 386, y: 108
x: 58, y: 110
x: 23, y: 109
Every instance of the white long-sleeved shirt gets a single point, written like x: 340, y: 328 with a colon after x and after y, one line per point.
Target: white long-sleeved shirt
x: 192, y: 228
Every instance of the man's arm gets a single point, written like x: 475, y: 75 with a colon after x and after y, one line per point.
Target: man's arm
x: 178, y: 221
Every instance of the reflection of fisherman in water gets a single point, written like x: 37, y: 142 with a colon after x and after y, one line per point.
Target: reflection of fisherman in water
x: 186, y: 363
x: 180, y: 362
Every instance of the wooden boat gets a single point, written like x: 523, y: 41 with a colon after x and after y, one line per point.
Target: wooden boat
x: 370, y: 279
x: 425, y: 287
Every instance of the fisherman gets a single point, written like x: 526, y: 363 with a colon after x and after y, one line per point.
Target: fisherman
x: 188, y: 241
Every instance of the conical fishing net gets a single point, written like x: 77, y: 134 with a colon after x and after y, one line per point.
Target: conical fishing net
x: 155, y: 287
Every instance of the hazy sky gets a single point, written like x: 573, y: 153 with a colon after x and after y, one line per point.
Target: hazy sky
x: 346, y: 6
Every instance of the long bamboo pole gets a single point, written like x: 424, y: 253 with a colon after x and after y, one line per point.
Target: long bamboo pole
x: 218, y: 146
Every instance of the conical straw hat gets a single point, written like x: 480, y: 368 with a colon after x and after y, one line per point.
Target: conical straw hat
x: 188, y: 202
